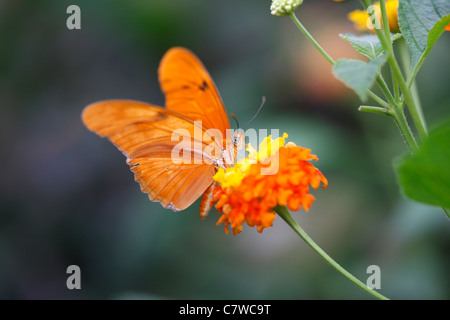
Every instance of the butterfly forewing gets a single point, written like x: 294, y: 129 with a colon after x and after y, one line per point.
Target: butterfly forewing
x: 189, y: 89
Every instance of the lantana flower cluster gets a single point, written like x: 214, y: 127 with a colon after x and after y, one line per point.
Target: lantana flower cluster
x: 279, y: 174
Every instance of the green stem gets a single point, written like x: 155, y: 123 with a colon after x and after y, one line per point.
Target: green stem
x: 406, y: 62
x: 387, y: 93
x: 412, y: 107
x: 380, y: 101
x: 397, y: 74
x: 283, y: 212
x: 398, y: 116
x: 416, y: 98
x: 310, y: 38
x: 373, y: 109
x: 400, y: 119
x: 396, y: 90
x: 326, y: 55
x: 387, y: 33
x: 384, y: 18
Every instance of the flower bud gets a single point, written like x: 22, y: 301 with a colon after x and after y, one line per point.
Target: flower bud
x: 284, y: 7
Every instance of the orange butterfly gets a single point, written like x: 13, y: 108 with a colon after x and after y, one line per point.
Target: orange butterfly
x: 145, y: 133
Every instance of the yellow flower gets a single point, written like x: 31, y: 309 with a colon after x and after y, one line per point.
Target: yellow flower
x: 267, y: 148
x: 363, y: 22
x: 230, y: 178
x: 246, y: 195
x: 359, y: 19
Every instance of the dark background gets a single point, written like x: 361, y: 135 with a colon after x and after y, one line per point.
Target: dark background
x: 67, y: 196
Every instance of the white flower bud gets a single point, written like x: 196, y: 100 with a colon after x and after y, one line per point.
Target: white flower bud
x: 284, y: 7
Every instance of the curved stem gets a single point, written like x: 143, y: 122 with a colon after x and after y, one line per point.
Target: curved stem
x: 283, y: 212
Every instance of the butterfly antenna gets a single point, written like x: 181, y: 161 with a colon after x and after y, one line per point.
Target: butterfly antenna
x: 257, y: 112
x: 235, y: 119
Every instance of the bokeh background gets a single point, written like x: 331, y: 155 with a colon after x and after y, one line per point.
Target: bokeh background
x: 67, y: 196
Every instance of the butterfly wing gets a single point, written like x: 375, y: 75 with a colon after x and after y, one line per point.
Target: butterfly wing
x: 144, y: 133
x: 190, y: 90
x: 207, y: 200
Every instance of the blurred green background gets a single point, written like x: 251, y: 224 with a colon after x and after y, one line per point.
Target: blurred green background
x: 67, y: 196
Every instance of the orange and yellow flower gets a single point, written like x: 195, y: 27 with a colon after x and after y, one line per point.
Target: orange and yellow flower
x: 362, y: 21
x: 249, y: 191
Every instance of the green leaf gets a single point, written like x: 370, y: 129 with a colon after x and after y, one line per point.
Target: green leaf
x: 368, y: 44
x: 422, y: 22
x: 357, y: 74
x: 425, y: 176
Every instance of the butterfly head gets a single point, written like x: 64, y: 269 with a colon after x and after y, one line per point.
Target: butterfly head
x: 229, y: 155
x: 238, y: 139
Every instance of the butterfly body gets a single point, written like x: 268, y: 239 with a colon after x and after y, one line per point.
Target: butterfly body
x: 174, y: 151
